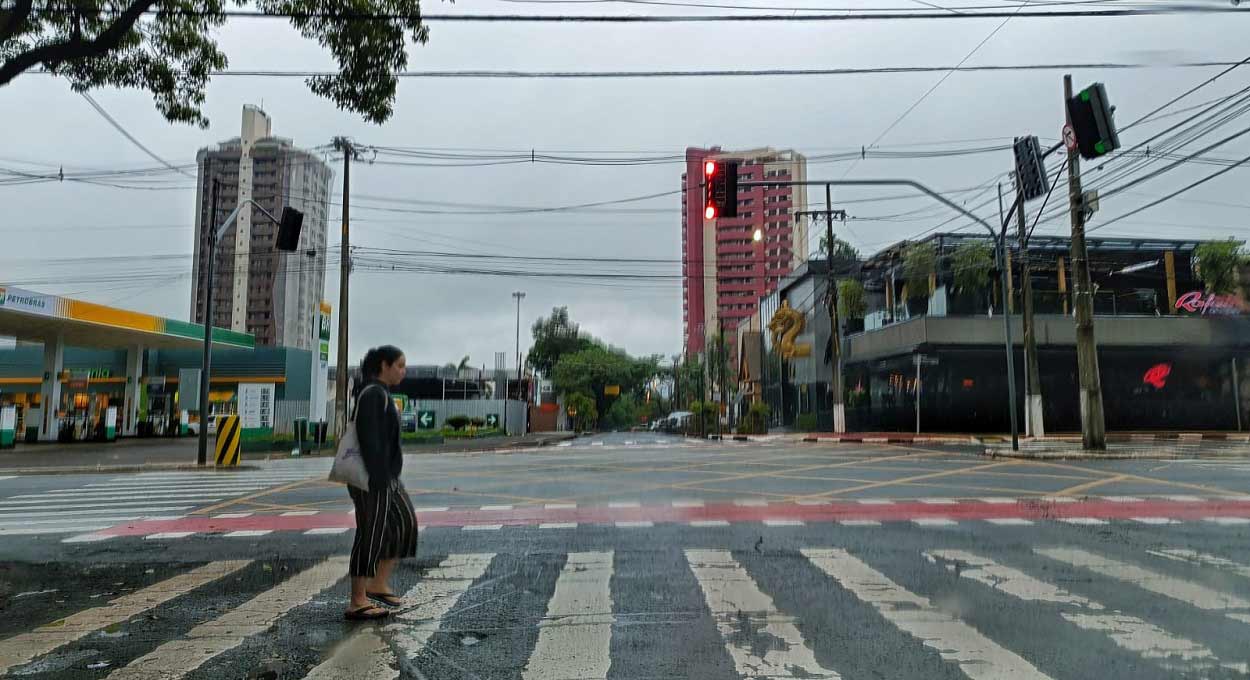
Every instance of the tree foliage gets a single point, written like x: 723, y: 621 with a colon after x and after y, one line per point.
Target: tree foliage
x: 919, y: 261
x: 1218, y: 264
x: 585, y: 414
x: 591, y: 370
x: 852, y: 303
x: 167, y: 47
x: 843, y: 252
x: 554, y: 337
x: 972, y: 265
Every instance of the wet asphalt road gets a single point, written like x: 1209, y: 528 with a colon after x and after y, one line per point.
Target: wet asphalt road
x: 637, y: 556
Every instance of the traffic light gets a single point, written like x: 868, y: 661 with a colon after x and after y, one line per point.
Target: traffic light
x: 720, y: 182
x: 1093, y: 121
x: 1030, y: 169
x: 288, y: 229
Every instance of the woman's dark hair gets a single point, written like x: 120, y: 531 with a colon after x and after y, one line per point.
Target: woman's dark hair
x: 371, y: 365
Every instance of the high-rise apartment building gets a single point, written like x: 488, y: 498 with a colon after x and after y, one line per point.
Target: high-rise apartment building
x: 258, y: 289
x: 725, y: 271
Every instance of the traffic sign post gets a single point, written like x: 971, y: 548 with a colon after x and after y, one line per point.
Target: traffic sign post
x: 1069, y: 138
x: 492, y: 420
x: 426, y: 420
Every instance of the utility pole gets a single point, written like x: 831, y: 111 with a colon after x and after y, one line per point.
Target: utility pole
x: 1033, y: 425
x: 519, y: 295
x: 206, y: 368
x: 835, y: 326
x: 344, y: 145
x: 1093, y: 427
x: 1011, y: 353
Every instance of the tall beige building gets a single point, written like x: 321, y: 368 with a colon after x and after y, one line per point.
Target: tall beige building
x: 257, y: 289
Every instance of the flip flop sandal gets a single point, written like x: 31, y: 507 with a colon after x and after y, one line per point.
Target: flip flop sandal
x: 388, y: 599
x: 363, y: 614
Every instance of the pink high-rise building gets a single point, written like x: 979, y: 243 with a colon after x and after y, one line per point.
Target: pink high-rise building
x: 725, y: 271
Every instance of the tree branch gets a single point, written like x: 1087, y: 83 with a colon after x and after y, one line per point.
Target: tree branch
x: 57, y: 53
x: 12, y: 19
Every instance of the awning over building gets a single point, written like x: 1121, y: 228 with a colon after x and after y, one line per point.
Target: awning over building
x: 32, y: 316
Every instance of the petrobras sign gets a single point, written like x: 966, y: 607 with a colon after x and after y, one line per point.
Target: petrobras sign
x: 19, y: 300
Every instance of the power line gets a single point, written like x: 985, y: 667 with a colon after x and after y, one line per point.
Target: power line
x: 1178, y: 192
x: 118, y: 126
x: 724, y: 73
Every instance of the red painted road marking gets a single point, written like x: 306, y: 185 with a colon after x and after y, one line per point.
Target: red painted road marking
x: 899, y: 511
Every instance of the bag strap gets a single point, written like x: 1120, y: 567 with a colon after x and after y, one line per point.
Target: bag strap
x: 356, y: 407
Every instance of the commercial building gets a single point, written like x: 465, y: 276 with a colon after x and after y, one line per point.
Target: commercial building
x: 724, y: 270
x: 257, y: 289
x: 1171, y: 356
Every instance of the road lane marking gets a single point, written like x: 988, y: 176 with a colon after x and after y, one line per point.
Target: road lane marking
x: 1083, y: 521
x: 298, y: 513
x: 708, y: 523
x: 750, y: 503
x: 1181, y: 590
x: 938, y: 501
x: 69, y: 514
x: 1122, y: 499
x: 859, y: 523
x: 88, y: 538
x: 1184, y: 499
x: 1010, y: 522
x: 624, y: 504
x: 178, y: 657
x: 735, y: 600
x: 158, y: 498
x: 492, y: 508
x: 233, y: 515
x: 807, y: 501
x: 998, y: 501
x: 934, y: 522
x: 633, y: 525
x: 1195, y: 557
x: 560, y: 506
x: 783, y: 523
x: 1129, y: 632
x: 168, y: 534
x: 687, y: 504
x: 367, y: 656
x: 248, y: 533
x: 558, y: 525
x: 441, y: 508
x: 1228, y: 521
x: 481, y: 527
x: 575, y: 638
x: 1059, y: 499
x: 25, y: 647
x: 874, y: 501
x: 326, y: 531
x: 1154, y: 520
x: 979, y: 657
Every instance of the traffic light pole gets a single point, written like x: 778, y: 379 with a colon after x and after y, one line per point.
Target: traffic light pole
x: 1005, y: 278
x: 1093, y: 426
x: 1033, y: 425
x: 345, y: 269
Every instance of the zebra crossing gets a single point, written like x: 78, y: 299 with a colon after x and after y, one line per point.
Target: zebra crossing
x: 1064, y: 609
x: 93, y: 505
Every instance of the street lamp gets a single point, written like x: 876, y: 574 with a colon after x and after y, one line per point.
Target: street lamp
x: 288, y: 237
x: 519, y: 295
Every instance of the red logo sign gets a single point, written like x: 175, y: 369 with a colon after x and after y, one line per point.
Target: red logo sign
x: 1157, y: 375
x: 1210, y: 303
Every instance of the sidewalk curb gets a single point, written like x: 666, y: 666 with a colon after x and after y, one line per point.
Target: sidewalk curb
x: 1079, y: 455
x: 891, y: 440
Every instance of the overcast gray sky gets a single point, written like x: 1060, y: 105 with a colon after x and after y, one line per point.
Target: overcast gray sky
x: 438, y: 318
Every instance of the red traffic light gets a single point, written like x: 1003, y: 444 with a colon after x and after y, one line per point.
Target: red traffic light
x: 709, y: 213
x: 709, y: 168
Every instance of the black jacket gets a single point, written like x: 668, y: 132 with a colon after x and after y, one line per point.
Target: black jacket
x: 377, y: 429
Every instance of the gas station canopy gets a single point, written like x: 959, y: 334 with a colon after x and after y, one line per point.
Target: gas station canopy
x: 32, y: 316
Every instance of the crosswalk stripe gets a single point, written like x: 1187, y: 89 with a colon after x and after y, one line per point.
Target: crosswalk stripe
x: 1126, y: 631
x: 730, y: 594
x: 168, y: 534
x: 633, y: 525
x: 119, y: 488
x: 575, y: 638
x: 1083, y: 521
x: 198, y: 496
x: 1229, y: 521
x: 998, y: 500
x: 326, y: 531
x: 367, y: 656
x: 1195, y: 594
x: 178, y: 657
x: 23, y: 648
x: 25, y: 515
x: 979, y: 657
x: 1010, y: 521
x: 938, y: 501
x: 708, y: 523
x: 481, y: 527
x: 119, y: 506
x: 4, y: 477
x: 783, y: 523
x: 558, y: 525
x: 1154, y: 520
x: 859, y: 523
x: 248, y: 533
x: 934, y: 522
x: 1186, y: 555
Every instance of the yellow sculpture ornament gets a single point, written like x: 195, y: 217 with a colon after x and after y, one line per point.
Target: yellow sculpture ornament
x: 786, y: 325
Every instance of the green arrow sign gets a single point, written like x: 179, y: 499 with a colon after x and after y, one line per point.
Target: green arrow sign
x: 492, y: 420
x: 425, y: 420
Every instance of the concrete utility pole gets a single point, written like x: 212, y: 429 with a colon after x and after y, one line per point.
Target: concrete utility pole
x: 835, y: 326
x: 344, y: 145
x: 1033, y: 425
x: 206, y: 368
x: 1093, y: 427
x: 720, y: 359
x: 1003, y: 264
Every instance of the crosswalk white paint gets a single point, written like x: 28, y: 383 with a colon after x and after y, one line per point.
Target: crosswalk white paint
x: 1083, y: 521
x: 1178, y: 589
x: 22, y: 648
x: 978, y: 657
x: 1129, y: 632
x: 575, y: 638
x: 1195, y: 557
x: 859, y: 523
x: 731, y: 595
x: 1010, y: 521
x: 326, y: 531
x: 207, y: 640
x: 704, y: 523
x: 934, y: 522
x: 4, y: 477
x: 368, y: 655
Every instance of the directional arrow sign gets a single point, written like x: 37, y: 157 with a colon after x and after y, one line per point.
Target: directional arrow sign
x: 425, y: 420
x: 492, y: 420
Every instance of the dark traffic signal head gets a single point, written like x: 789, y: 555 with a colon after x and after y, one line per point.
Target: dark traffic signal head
x: 288, y: 229
x: 1092, y: 118
x: 720, y: 182
x: 1030, y: 168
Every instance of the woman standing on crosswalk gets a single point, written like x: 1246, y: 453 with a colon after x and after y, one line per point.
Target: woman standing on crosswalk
x: 386, y: 524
